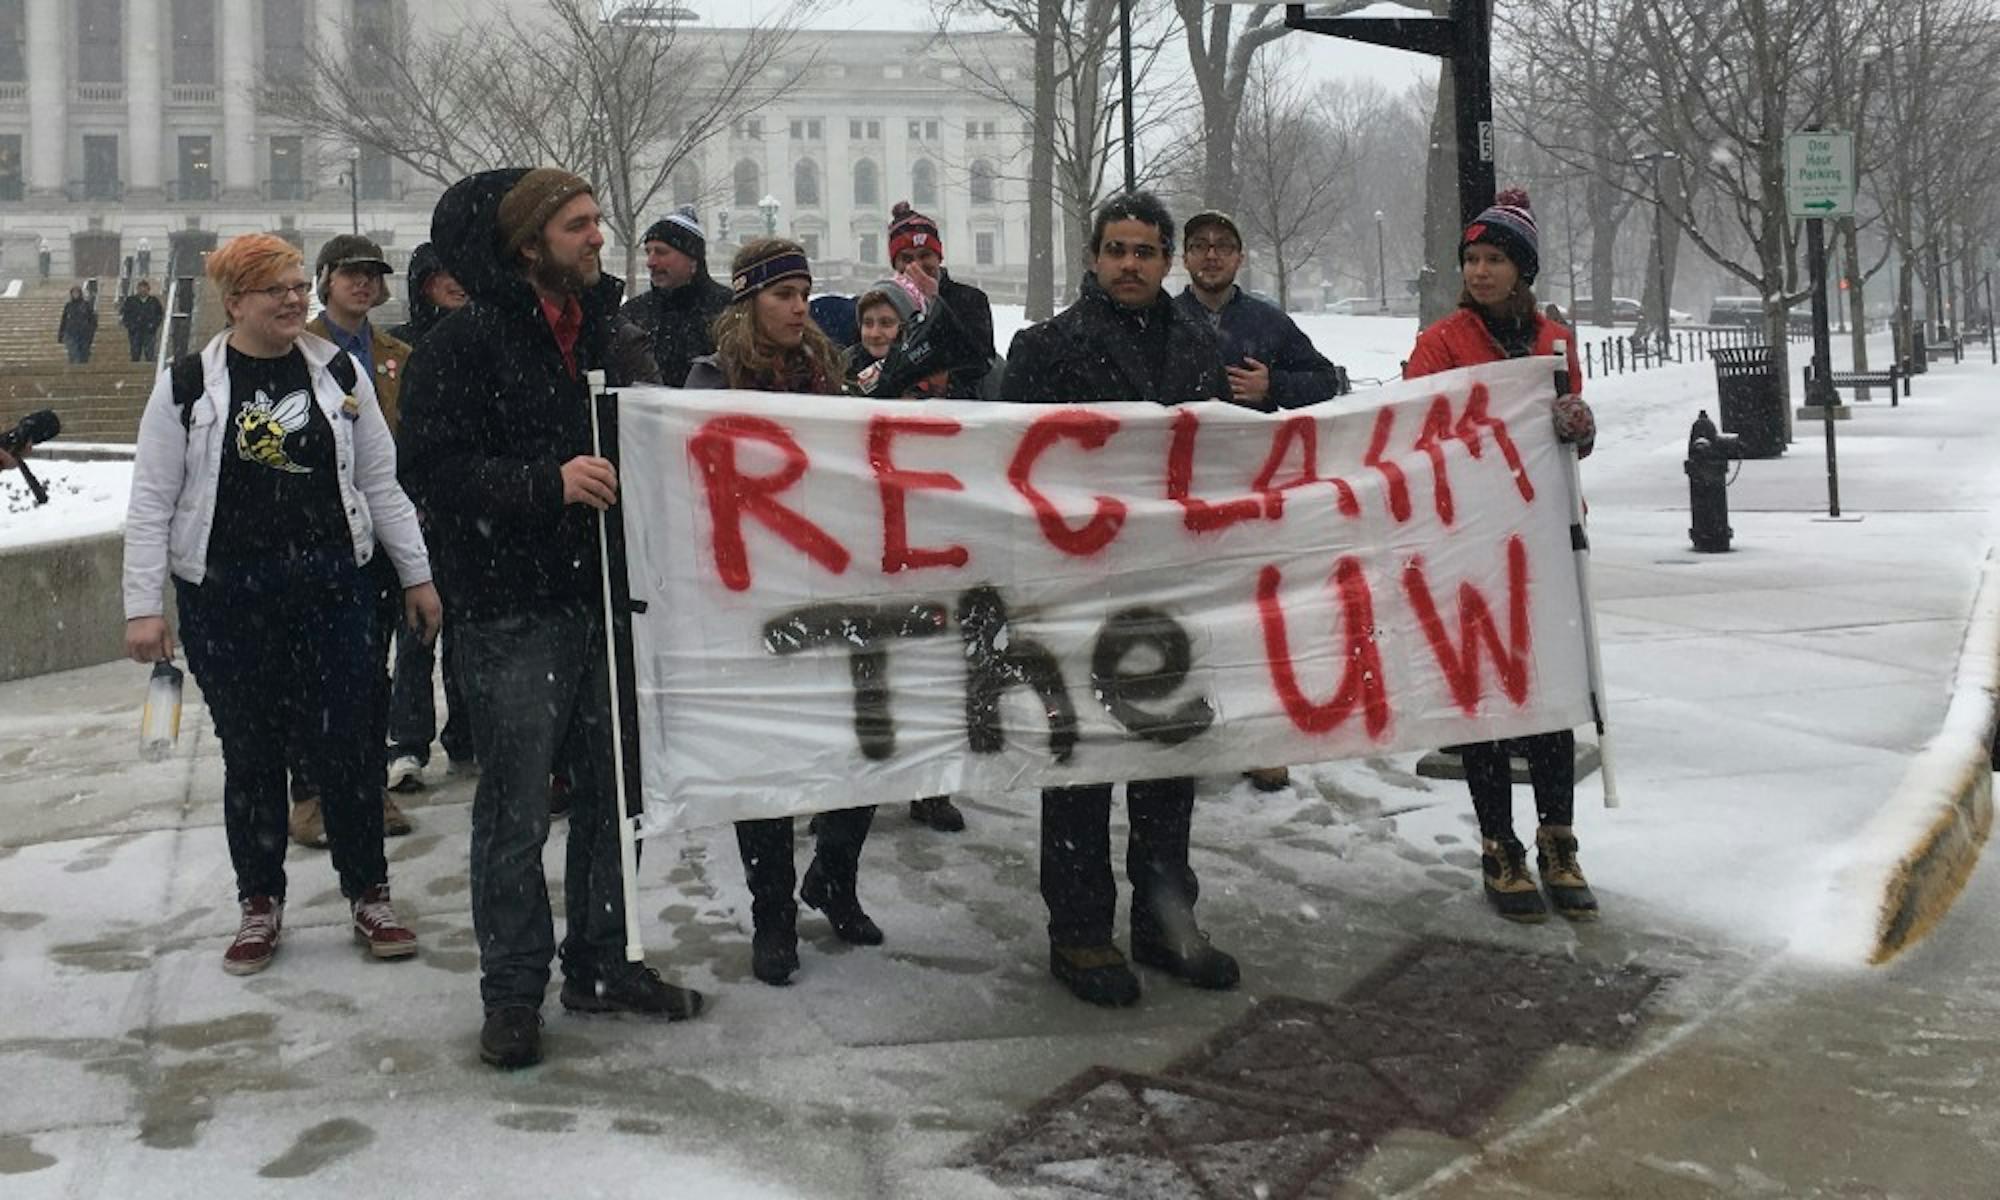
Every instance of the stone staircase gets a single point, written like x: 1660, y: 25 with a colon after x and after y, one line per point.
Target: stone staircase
x: 98, y: 401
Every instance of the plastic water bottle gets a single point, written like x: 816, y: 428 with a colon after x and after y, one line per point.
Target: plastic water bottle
x: 160, y: 720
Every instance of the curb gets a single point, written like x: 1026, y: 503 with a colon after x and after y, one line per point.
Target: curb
x: 1942, y: 812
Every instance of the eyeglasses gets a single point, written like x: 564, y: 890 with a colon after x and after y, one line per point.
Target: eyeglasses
x: 1212, y: 247
x: 279, y: 291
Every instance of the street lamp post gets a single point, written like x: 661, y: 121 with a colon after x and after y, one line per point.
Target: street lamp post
x: 1381, y: 262
x: 769, y: 207
x: 354, y: 188
x: 1659, y: 233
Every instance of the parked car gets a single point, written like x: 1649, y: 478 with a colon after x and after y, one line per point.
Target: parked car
x: 1371, y: 306
x: 1748, y: 312
x: 1627, y: 311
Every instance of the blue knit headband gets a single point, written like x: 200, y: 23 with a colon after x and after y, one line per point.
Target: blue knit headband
x: 789, y: 264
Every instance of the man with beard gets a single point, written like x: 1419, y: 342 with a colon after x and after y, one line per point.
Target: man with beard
x: 497, y: 452
x: 1124, y: 339
x: 679, y: 314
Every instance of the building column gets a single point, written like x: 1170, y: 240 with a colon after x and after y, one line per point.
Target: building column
x: 48, y: 100
x: 836, y: 193
x: 237, y: 156
x: 145, y: 52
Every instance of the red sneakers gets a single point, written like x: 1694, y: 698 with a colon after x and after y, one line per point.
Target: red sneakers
x: 256, y: 938
x: 375, y: 923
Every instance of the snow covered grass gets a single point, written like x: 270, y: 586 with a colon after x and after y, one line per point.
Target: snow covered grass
x: 85, y: 499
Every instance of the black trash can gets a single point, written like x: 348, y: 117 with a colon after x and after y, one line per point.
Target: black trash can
x: 1752, y: 399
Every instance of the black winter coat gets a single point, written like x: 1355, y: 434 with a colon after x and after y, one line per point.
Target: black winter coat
x: 489, y: 415
x: 1093, y: 350
x: 974, y: 313
x: 424, y: 316
x: 79, y: 321
x: 680, y: 322
x: 142, y: 315
x: 1253, y: 328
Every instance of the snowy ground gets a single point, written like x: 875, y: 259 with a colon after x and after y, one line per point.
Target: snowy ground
x: 1766, y: 703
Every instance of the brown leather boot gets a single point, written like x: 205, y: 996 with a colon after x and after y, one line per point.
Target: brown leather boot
x: 1555, y: 859
x: 1509, y: 887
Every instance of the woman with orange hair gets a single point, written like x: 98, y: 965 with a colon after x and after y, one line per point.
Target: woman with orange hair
x: 263, y: 497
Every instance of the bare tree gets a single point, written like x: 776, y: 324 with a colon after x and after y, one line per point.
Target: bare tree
x: 1296, y: 156
x: 623, y: 101
x: 1083, y: 104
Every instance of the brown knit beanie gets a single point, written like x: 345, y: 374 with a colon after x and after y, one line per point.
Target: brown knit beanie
x: 529, y: 204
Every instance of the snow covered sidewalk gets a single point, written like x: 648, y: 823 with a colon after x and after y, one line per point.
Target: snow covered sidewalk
x: 1768, y: 703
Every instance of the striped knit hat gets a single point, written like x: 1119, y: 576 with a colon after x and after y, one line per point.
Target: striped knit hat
x: 1509, y: 225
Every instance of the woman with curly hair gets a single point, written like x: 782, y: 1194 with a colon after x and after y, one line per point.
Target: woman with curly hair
x: 766, y: 341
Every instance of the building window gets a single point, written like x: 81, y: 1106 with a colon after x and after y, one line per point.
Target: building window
x: 867, y: 187
x: 11, y: 179
x: 747, y: 184
x: 13, y: 41
x: 376, y: 183
x: 197, y: 167
x: 811, y: 242
x: 805, y: 184
x: 285, y: 40
x: 288, y: 159
x: 809, y: 129
x: 871, y: 245
x: 749, y: 127
x: 923, y: 184
x: 981, y: 181
x: 100, y: 41
x: 100, y: 166
x: 930, y: 131
x: 194, y: 41
x: 874, y: 131
x: 982, y: 249
x: 373, y: 44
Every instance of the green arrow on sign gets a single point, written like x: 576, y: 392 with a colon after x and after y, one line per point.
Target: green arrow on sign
x: 1822, y: 205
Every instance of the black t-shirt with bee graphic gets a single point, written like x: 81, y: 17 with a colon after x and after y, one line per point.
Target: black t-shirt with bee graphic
x: 278, y: 493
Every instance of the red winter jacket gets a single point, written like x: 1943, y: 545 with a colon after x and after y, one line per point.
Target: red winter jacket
x: 1462, y: 340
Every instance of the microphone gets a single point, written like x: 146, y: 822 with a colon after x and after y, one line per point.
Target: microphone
x: 36, y: 427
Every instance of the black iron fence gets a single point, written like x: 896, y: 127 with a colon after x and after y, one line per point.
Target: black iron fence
x: 1617, y: 355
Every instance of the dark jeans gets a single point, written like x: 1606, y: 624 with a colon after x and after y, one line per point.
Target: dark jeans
x: 766, y: 847
x: 386, y: 603
x: 273, y: 638
x: 143, y: 341
x: 79, y: 350
x: 1551, y: 769
x: 537, y: 684
x: 1077, y: 884
x: 413, y: 705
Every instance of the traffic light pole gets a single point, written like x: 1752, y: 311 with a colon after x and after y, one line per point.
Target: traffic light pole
x: 1465, y: 38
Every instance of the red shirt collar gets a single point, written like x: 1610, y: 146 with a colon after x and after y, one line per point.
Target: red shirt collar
x: 566, y: 323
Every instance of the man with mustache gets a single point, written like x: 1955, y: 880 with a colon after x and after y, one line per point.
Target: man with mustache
x: 1124, y: 339
x: 496, y: 448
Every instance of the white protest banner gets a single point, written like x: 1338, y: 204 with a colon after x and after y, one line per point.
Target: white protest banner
x: 854, y: 602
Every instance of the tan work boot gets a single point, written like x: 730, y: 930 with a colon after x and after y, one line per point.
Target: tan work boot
x: 394, y: 823
x: 1269, y: 779
x: 1509, y: 887
x: 1555, y: 859
x: 308, y: 826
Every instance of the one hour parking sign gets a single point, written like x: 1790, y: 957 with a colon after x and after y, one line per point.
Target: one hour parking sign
x: 1819, y: 175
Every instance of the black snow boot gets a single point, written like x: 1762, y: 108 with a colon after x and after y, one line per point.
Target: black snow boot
x: 766, y: 847
x: 831, y: 891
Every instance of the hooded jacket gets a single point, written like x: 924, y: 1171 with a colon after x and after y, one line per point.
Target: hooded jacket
x: 975, y: 320
x: 1093, y: 350
x: 424, y: 315
x: 490, y: 413
x: 680, y: 321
